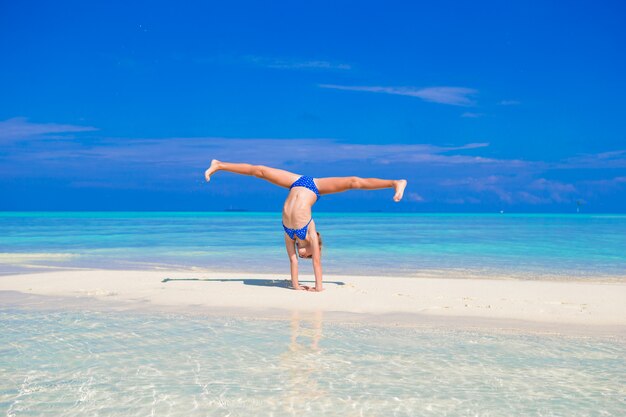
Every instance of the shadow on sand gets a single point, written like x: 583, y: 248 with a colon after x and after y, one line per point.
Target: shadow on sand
x: 280, y: 283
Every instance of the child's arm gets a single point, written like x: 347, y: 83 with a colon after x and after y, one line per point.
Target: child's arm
x: 293, y: 261
x: 317, y: 260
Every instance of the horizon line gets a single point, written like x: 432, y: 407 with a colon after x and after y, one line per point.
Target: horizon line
x: 243, y: 211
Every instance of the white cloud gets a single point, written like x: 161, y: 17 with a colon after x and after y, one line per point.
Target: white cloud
x: 455, y: 96
x: 603, y: 160
x: 558, y: 192
x: 463, y: 172
x: 519, y: 188
x: 472, y: 115
x: 604, y: 185
x: 19, y: 128
x: 296, y: 64
x: 414, y: 197
x: 176, y: 151
x: 544, y: 184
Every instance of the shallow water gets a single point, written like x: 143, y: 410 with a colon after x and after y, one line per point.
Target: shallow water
x: 525, y: 246
x: 77, y: 363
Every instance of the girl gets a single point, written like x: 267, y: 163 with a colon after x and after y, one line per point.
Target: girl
x: 301, y: 237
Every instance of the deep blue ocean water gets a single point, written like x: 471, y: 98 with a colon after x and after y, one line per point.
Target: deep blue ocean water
x: 573, y: 246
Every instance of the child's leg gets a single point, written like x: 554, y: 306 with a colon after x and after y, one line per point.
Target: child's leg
x: 279, y: 177
x: 331, y: 185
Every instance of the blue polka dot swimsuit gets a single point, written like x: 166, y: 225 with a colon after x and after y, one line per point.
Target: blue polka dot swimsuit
x: 306, y: 182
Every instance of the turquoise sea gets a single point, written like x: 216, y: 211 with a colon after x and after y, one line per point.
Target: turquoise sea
x: 58, y: 358
x: 573, y: 246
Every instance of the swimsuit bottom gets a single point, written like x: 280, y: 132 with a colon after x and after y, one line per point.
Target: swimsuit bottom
x: 301, y: 233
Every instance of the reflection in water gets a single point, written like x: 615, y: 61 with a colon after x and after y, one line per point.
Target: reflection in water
x: 302, y: 361
x: 117, y: 364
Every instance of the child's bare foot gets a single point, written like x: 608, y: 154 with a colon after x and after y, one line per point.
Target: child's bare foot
x: 314, y: 289
x: 214, y: 167
x: 399, y: 186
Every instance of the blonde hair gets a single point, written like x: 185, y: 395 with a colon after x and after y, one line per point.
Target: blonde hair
x: 319, y: 240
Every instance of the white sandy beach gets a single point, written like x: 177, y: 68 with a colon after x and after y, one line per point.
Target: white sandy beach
x: 542, y: 304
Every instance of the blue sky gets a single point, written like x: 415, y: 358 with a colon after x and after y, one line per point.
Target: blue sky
x: 481, y: 105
